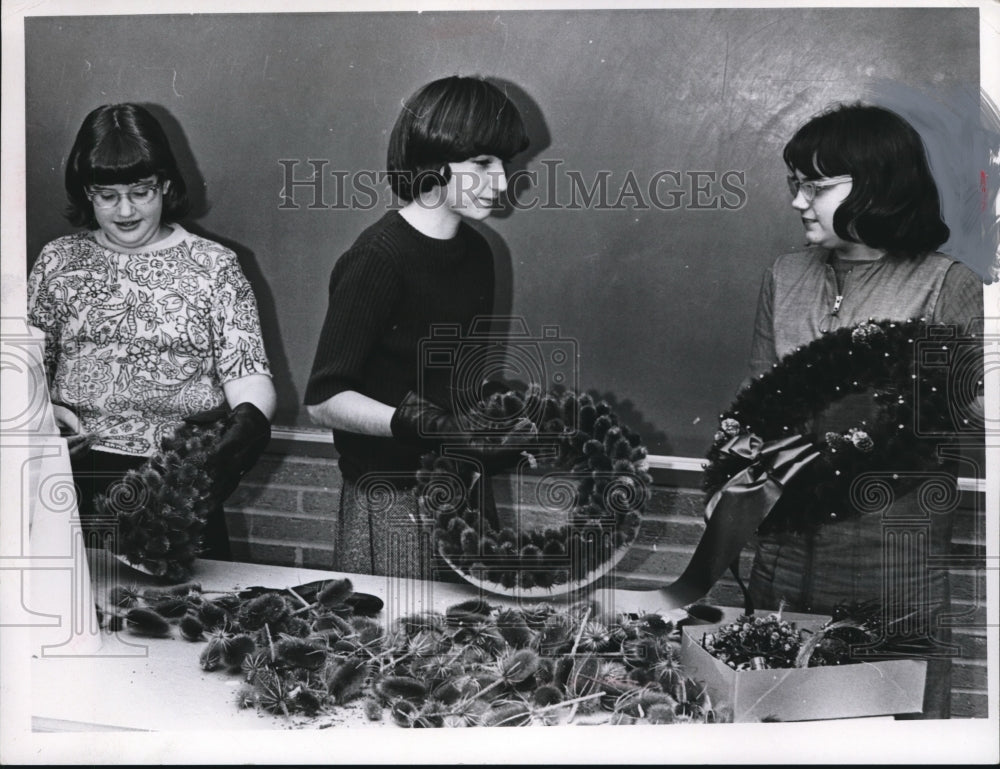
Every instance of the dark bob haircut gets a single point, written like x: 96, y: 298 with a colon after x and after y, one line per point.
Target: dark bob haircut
x: 894, y: 202
x: 448, y: 121
x: 121, y: 144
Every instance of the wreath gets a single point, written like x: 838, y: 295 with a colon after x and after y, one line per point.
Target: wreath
x: 909, y: 377
x: 161, y: 507
x: 594, y: 472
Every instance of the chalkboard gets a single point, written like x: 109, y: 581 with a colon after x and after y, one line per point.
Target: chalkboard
x: 680, y: 114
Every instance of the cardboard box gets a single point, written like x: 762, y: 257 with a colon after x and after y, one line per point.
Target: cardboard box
x: 804, y: 694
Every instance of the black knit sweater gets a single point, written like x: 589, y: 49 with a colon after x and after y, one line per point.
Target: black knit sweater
x: 386, y: 293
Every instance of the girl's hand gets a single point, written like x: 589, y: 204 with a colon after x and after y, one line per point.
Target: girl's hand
x: 69, y: 427
x: 69, y: 423
x: 79, y: 444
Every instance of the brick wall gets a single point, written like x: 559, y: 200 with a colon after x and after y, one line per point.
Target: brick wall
x: 284, y: 513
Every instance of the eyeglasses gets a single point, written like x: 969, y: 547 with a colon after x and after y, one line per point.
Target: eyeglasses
x: 107, y: 199
x: 809, y: 187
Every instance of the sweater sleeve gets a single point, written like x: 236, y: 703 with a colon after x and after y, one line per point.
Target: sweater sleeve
x: 364, y: 287
x: 961, y: 300
x: 762, y: 351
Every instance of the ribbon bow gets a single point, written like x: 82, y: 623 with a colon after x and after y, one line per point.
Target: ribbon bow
x: 735, y: 511
x: 772, y: 466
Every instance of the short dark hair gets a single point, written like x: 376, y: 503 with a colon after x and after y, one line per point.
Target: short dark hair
x: 893, y: 203
x: 448, y: 121
x: 121, y: 144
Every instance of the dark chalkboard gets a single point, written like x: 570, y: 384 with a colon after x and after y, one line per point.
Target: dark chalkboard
x: 680, y: 114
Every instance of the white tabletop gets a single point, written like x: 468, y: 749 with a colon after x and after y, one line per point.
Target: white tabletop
x: 137, y: 683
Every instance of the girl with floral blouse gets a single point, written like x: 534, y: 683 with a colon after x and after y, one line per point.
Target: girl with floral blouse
x: 146, y: 324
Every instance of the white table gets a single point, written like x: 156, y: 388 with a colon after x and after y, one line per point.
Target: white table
x: 151, y: 684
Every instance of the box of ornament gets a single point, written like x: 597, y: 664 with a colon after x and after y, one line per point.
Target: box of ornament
x: 802, y: 667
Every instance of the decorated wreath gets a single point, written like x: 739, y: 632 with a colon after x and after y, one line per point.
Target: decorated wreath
x: 161, y: 507
x: 908, y: 376
x: 595, y: 474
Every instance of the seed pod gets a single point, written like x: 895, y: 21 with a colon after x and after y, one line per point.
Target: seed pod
x: 537, y: 615
x: 401, y: 687
x: 514, y: 629
x: 191, y: 628
x: 307, y: 701
x: 511, y: 714
x: 335, y: 592
x: 211, y: 655
x: 519, y: 666
x: 368, y: 630
x: 345, y: 679
x: 412, y: 624
x: 122, y: 597
x: 236, y: 649
x: 170, y: 606
x: 547, y: 694
x: 346, y: 646
x: 472, y: 612
x: 472, y: 606
x: 256, y: 664
x: 300, y: 654
x: 229, y: 601
x: 333, y: 623
x: 211, y: 615
x: 473, y: 655
x: 556, y: 633
x: 661, y: 714
x: 147, y: 622
x: 584, y: 678
x: 448, y: 692
x: 268, y: 609
x: 470, y: 542
x: 246, y: 697
x: 373, y: 710
x: 487, y: 681
x: 595, y: 637
x: 296, y: 626
x: 404, y: 713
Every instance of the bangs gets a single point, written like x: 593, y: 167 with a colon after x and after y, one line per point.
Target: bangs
x: 478, y: 121
x: 817, y: 151
x: 118, y: 159
x: 498, y: 129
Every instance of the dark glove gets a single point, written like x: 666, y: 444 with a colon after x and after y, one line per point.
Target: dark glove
x: 245, y: 436
x: 420, y: 423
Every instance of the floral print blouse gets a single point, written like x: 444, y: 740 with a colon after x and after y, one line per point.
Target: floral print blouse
x: 135, y: 341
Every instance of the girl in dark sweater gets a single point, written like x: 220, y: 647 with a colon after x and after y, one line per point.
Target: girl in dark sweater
x: 417, y: 269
